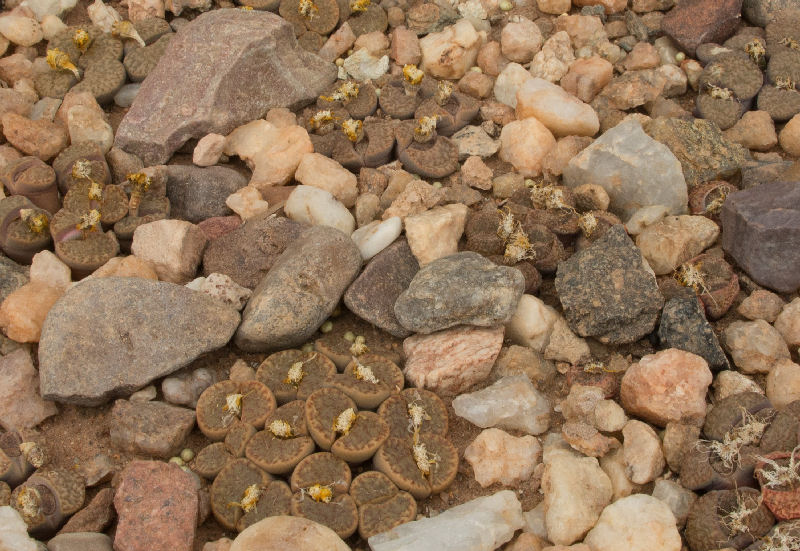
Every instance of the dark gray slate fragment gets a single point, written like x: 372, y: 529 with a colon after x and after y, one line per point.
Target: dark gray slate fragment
x: 111, y: 336
x: 300, y: 291
x: 462, y: 288
x: 373, y: 294
x: 684, y: 326
x: 761, y: 231
x: 12, y: 277
x: 150, y: 428
x: 196, y: 193
x: 247, y: 253
x: 608, y: 291
x: 224, y: 69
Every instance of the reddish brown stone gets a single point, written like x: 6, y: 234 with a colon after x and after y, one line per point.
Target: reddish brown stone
x: 694, y: 22
x: 157, y: 505
x: 219, y: 226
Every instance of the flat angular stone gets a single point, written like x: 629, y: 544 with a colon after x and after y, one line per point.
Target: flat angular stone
x: 480, y: 524
x: 198, y: 193
x: 300, y: 291
x: 608, y: 291
x: 463, y: 288
x: 373, y: 294
x: 512, y: 403
x: 694, y: 22
x: 111, y: 336
x: 150, y: 428
x: 21, y: 406
x: 684, y: 326
x: 157, y: 505
x: 635, y: 170
x: 225, y: 68
x: 761, y: 231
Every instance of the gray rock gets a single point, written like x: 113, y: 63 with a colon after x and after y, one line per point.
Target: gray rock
x: 761, y: 231
x: 12, y: 277
x: 111, y: 336
x: 608, y: 291
x: 150, y: 428
x: 224, y: 69
x: 684, y: 326
x: 702, y: 150
x: 462, y: 288
x: 373, y: 294
x: 198, y: 193
x: 300, y: 291
x: 80, y: 541
x: 634, y: 169
x: 761, y: 12
x: 247, y: 253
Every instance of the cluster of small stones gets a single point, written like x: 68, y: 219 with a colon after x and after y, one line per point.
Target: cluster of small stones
x: 606, y: 150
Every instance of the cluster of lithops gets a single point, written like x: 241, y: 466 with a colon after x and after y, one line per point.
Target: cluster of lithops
x: 313, y: 20
x: 74, y: 207
x: 44, y: 498
x: 752, y: 67
x: 304, y: 421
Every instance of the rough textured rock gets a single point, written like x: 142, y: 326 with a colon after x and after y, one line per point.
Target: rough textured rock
x: 21, y: 406
x: 373, y: 294
x: 496, y: 456
x: 173, y: 247
x: 199, y: 193
x: 150, y: 428
x: 684, y: 326
x: 788, y: 323
x: 96, y: 516
x: 463, y: 288
x: 667, y: 386
x: 635, y: 171
x: 451, y: 52
x: 700, y: 147
x: 247, y: 253
x: 12, y: 277
x: 227, y: 67
x: 284, y: 532
x: 761, y: 231
x: 111, y: 336
x: 675, y: 239
x: 435, y: 233
x: 157, y: 504
x: 300, y: 291
x: 608, y: 291
x: 694, y: 22
x: 636, y: 523
x: 755, y: 346
x: 453, y: 360
x: 512, y: 403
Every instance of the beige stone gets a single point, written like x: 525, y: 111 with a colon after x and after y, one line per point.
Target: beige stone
x: 790, y: 136
x: 376, y: 43
x: 284, y: 532
x: 21, y: 404
x: 47, y: 269
x: 208, y: 150
x: 324, y: 173
x: 783, y: 383
x: 416, y: 197
x: 247, y: 202
x: 672, y: 241
x: 641, y: 450
x: 338, y: 43
x: 788, y: 323
x: 532, y: 323
x: 755, y: 131
x: 23, y: 312
x: 587, y: 77
x: 405, y: 47
x: 142, y: 9
x: 583, y: 30
x: 21, y: 30
x: 562, y: 113
x: 643, y: 56
x: 126, y: 266
x: 755, y: 346
x: 525, y: 144
x: 559, y: 156
x: 40, y: 138
x: 435, y: 233
x: 555, y: 58
x: 761, y: 304
x: 85, y: 125
x: 451, y: 52
x: 496, y: 456
x: 173, y: 247
x: 475, y: 173
x: 555, y: 7
x: 520, y: 40
x: 73, y: 99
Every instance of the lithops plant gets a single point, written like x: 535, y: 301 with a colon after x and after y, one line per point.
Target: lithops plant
x: 150, y: 29
x: 593, y: 225
x: 359, y: 99
x: 778, y: 474
x: 140, y: 61
x: 400, y: 97
x: 369, y: 379
x: 783, y: 432
x: 320, y: 483
x: 80, y: 241
x: 720, y: 284
x: 284, y: 442
x: 727, y: 85
x: 319, y: 16
x: 369, y: 144
x: 707, y: 198
x: 210, y: 460
x: 726, y: 456
x: 423, y: 152
x: 367, y: 17
x: 238, y: 437
x: 424, y: 465
x: 294, y: 374
x: 34, y: 179
x: 381, y: 506
x: 24, y: 228
x: 311, y: 41
x: 148, y: 202
x: 103, y: 79
x: 414, y: 411
x: 354, y: 337
x: 111, y: 201
x: 126, y: 30
x: 15, y: 465
x: 227, y: 401
x: 453, y: 110
x: 47, y: 498
x: 727, y: 518
x: 242, y: 494
x: 784, y: 536
x: 781, y: 103
x: 91, y: 166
